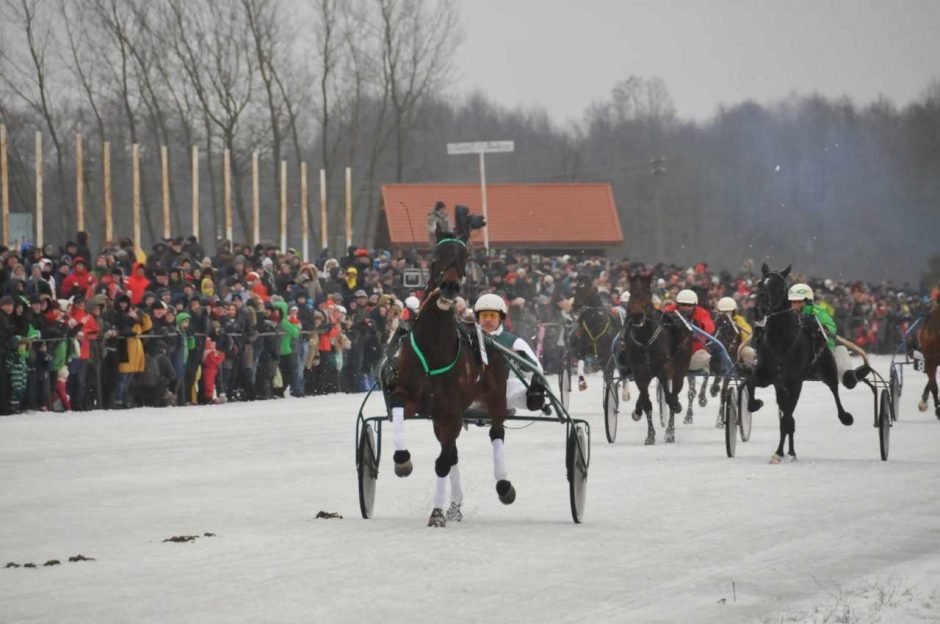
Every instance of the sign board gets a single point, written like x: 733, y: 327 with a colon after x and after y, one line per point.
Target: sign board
x: 415, y: 279
x: 21, y: 228
x: 481, y: 147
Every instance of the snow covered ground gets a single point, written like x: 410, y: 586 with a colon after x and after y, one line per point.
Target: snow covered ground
x: 673, y: 533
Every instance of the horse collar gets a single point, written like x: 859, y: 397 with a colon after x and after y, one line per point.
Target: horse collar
x: 424, y: 362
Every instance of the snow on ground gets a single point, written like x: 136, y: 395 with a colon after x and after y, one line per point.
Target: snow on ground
x: 672, y: 533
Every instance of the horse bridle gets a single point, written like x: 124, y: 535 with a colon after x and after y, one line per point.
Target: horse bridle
x: 438, y: 276
x: 771, y: 309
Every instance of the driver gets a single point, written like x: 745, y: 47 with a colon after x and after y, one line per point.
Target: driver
x: 687, y: 305
x: 491, y: 312
x: 801, y: 300
x: 729, y: 307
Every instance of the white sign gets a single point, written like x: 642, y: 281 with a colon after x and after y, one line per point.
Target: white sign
x: 481, y: 147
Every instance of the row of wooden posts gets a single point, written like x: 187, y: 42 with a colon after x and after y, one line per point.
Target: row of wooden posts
x: 164, y: 160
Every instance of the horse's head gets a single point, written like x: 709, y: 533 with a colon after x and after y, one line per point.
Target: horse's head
x: 641, y: 297
x: 448, y: 265
x: 725, y: 331
x: 771, y: 291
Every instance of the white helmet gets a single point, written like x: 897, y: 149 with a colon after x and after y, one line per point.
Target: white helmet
x: 800, y: 292
x: 727, y: 304
x: 412, y: 303
x: 490, y: 301
x: 687, y: 297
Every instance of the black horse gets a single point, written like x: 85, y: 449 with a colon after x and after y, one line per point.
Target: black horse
x: 728, y: 334
x: 440, y: 373
x: 656, y: 345
x: 789, y: 352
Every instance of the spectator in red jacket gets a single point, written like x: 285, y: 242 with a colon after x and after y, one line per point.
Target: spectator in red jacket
x: 137, y: 283
x: 79, y: 281
x: 687, y: 305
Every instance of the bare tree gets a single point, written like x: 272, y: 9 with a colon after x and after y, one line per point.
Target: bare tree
x: 29, y: 78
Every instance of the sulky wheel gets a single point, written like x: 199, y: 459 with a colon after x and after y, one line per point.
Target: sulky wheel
x: 729, y: 407
x: 744, y: 414
x: 895, y: 392
x: 564, y: 384
x: 884, y: 424
x: 578, y: 457
x: 611, y: 409
x: 368, y: 471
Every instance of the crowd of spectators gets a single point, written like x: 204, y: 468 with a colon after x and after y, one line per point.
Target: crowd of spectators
x: 119, y: 328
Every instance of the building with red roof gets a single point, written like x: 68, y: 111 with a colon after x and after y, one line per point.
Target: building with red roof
x: 558, y: 217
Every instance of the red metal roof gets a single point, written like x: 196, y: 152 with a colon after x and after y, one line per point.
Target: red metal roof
x: 519, y: 215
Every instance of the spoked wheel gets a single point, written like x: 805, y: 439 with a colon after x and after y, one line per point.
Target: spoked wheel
x: 578, y: 459
x: 729, y: 405
x: 564, y: 385
x: 368, y: 470
x: 744, y: 414
x: 611, y: 409
x: 661, y: 403
x: 884, y: 424
x: 895, y: 392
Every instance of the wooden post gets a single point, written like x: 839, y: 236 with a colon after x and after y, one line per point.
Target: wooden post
x: 324, y: 236
x: 79, y: 184
x: 135, y: 164
x: 255, y: 201
x: 5, y: 185
x: 227, y: 183
x: 196, y: 191
x: 39, y: 198
x: 108, y: 219
x: 283, y: 206
x: 165, y: 168
x: 348, y: 207
x: 304, y: 219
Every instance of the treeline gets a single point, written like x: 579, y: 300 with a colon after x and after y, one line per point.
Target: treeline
x: 833, y: 186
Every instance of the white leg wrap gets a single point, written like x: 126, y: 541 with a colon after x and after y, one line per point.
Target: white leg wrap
x: 440, y: 492
x: 843, y: 363
x: 499, y: 461
x: 515, y: 394
x: 398, y: 428
x: 456, y: 490
x: 580, y: 368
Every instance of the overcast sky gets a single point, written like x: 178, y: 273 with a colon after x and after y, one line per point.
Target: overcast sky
x: 562, y: 54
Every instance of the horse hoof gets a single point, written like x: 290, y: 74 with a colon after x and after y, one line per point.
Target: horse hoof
x: 775, y: 459
x: 846, y: 419
x: 713, y: 392
x: 703, y: 400
x: 670, y: 437
x: 922, y: 406
x: 437, y: 519
x: 937, y: 412
x: 720, y: 423
x: 637, y: 415
x: 650, y: 441
x: 453, y: 513
x: 754, y: 404
x: 582, y: 384
x: 505, y: 491
x: 687, y: 420
x: 403, y: 465
x: 791, y: 457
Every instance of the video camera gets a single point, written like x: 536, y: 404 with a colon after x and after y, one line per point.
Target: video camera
x: 467, y: 222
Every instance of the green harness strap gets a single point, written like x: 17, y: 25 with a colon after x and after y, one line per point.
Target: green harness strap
x: 424, y: 362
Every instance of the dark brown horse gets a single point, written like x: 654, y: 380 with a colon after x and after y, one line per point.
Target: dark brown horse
x: 787, y: 355
x: 929, y: 338
x: 656, y: 345
x: 440, y: 375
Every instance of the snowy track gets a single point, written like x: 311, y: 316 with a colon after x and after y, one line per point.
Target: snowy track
x: 667, y: 531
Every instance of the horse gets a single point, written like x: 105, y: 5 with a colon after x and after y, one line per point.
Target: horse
x: 655, y: 345
x: 787, y: 355
x: 439, y: 374
x: 595, y: 329
x: 929, y: 338
x: 728, y: 334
